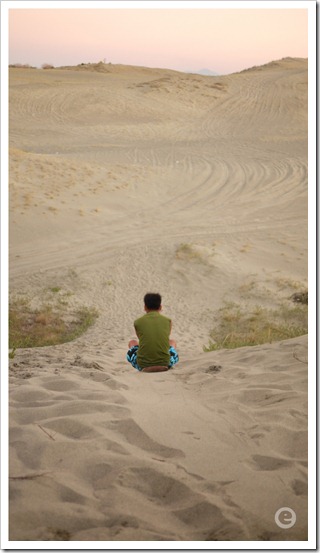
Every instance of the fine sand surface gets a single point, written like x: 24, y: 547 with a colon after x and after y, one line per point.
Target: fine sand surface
x: 127, y: 180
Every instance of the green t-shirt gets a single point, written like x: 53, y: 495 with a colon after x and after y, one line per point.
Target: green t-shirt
x: 153, y: 330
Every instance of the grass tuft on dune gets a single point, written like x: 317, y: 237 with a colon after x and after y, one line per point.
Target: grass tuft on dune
x: 238, y: 327
x: 46, y: 325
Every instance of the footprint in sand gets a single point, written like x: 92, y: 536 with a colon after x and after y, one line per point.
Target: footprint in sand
x: 264, y: 462
x: 27, y: 451
x: 156, y: 486
x: 209, y: 522
x: 104, y: 395
x: 60, y: 384
x: 263, y: 396
x: 299, y: 487
x: 68, y: 495
x: 90, y: 407
x: 71, y: 428
x: 137, y: 437
x: 213, y: 369
x: 35, y: 413
x: 33, y: 396
x: 191, y: 434
x: 114, y: 385
x: 101, y: 475
x: 203, y: 519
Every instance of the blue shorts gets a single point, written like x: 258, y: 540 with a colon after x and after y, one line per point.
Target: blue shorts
x: 132, y: 357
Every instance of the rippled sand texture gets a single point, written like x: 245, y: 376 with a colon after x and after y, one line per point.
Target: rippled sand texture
x: 126, y: 180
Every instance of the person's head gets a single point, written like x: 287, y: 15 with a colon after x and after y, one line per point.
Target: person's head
x: 152, y: 302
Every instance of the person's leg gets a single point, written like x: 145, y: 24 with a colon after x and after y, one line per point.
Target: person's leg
x: 174, y: 357
x: 133, y: 343
x: 132, y: 353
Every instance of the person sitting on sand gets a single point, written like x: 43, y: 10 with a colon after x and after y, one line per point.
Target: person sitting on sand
x: 154, y: 351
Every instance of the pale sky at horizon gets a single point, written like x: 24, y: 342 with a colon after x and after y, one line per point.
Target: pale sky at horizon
x: 222, y: 40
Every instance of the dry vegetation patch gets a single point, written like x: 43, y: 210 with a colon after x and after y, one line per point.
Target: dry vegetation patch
x: 195, y: 253
x: 50, y: 324
x: 239, y: 326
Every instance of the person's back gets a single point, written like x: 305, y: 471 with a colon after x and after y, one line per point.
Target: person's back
x: 153, y: 330
x: 154, y: 350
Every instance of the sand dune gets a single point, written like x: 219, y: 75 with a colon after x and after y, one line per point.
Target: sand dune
x: 125, y: 180
x: 208, y: 452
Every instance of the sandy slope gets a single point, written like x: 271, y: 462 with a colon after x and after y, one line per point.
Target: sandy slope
x: 126, y: 180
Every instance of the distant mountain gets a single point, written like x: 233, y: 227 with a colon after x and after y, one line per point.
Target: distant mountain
x: 206, y: 72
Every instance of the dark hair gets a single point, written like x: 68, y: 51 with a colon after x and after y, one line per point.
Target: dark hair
x: 152, y: 301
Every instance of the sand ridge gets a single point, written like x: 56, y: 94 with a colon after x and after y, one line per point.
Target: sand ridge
x: 125, y: 180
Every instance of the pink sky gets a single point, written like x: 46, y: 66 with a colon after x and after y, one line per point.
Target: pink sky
x: 223, y: 40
